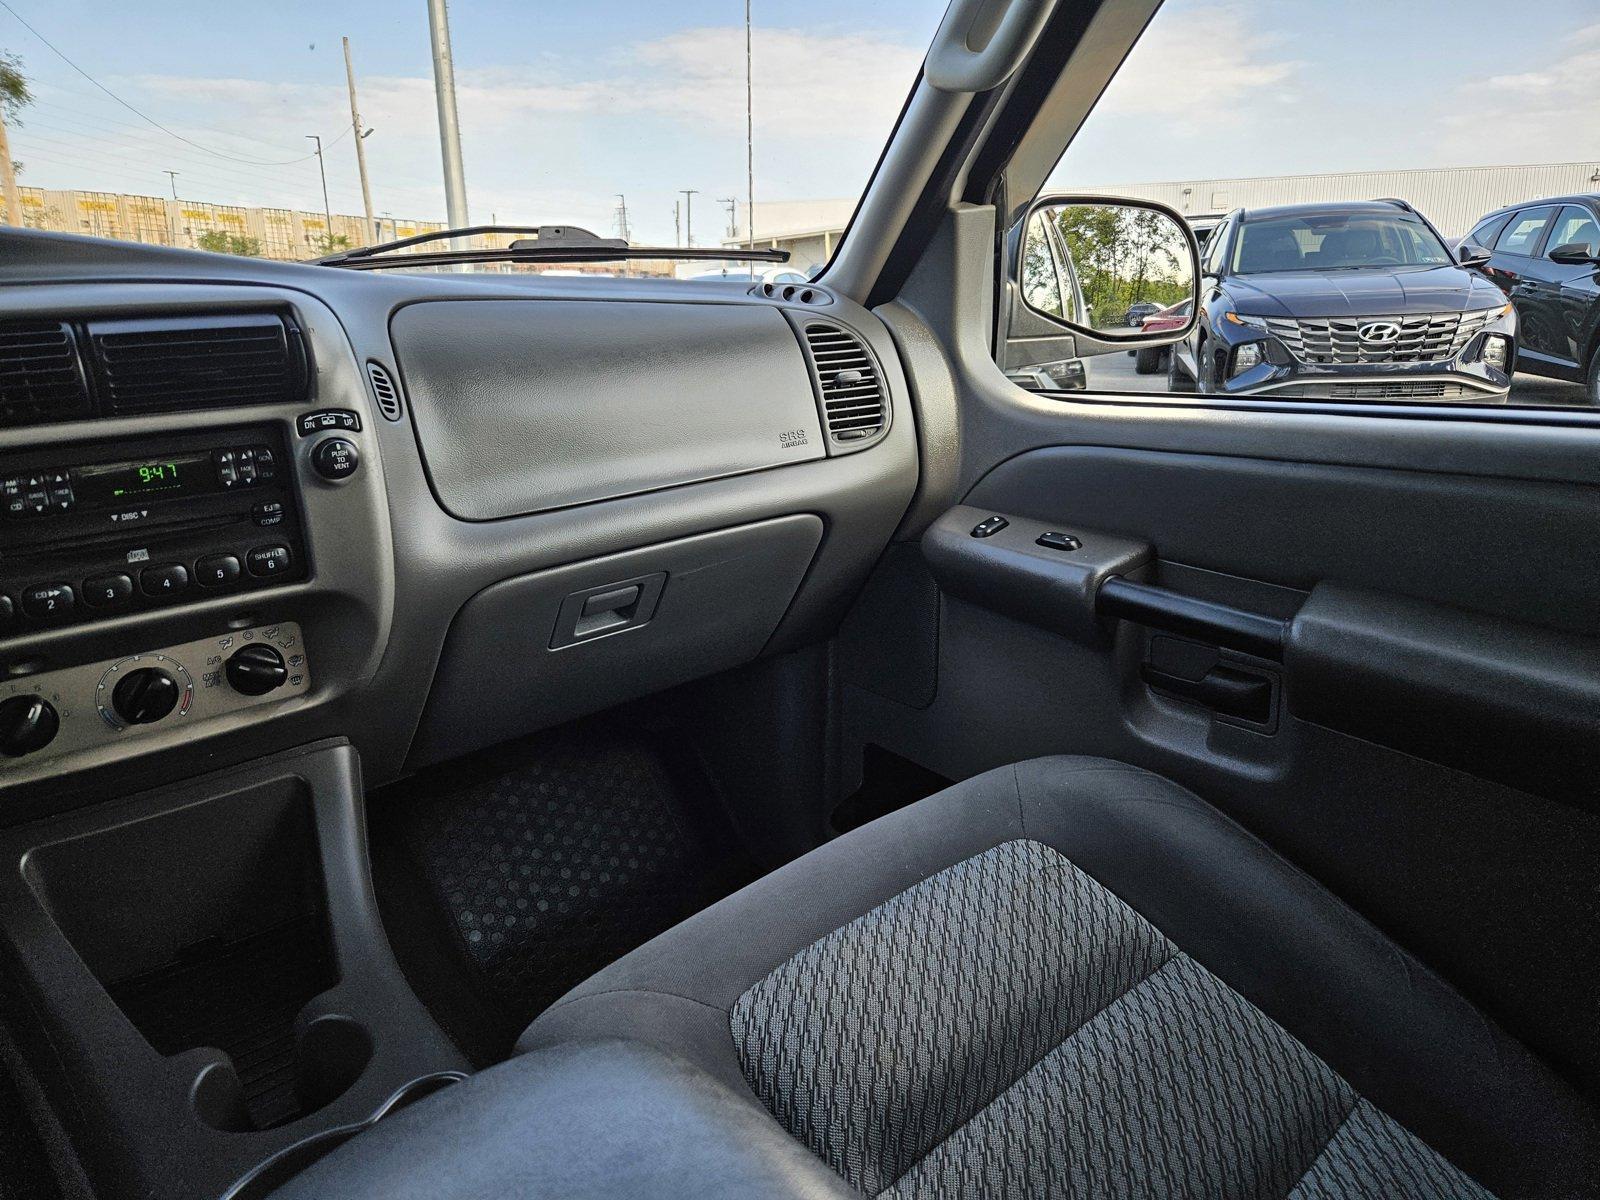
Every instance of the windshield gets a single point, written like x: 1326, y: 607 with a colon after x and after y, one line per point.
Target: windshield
x: 1335, y: 242
x: 299, y: 130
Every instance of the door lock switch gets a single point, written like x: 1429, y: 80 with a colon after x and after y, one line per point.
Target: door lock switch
x: 1055, y: 540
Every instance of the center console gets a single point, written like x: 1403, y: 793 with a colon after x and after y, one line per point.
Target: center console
x: 212, y: 1001
x: 196, y: 589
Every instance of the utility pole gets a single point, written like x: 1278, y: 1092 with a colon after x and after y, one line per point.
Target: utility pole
x: 677, y: 222
x: 733, y: 218
x: 327, y: 209
x: 444, y: 86
x: 688, y: 214
x: 622, y: 216
x: 361, y: 143
x: 749, y: 137
x: 173, y: 176
x: 8, y: 179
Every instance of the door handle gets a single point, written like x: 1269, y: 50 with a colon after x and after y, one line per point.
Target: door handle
x: 1226, y: 689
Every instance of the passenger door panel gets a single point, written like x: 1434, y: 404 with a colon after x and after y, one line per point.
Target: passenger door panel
x: 1430, y: 740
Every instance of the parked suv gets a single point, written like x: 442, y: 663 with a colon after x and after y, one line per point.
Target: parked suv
x: 1344, y: 301
x: 1546, y: 254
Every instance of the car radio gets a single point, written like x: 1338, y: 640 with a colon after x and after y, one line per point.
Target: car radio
x: 100, y: 528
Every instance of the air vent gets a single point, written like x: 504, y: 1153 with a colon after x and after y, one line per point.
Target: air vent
x: 197, y: 362
x: 852, y: 389
x: 40, y: 377
x: 384, y: 391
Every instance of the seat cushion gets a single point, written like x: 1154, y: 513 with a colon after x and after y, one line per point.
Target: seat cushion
x: 1074, y: 977
x: 1064, y: 978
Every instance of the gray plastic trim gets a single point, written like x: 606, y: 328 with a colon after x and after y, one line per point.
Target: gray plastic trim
x: 527, y: 406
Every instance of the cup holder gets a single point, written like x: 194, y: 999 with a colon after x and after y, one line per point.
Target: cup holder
x: 266, y: 1178
x: 330, y: 1054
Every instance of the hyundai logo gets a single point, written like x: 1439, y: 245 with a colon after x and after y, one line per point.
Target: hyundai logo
x: 1379, y: 332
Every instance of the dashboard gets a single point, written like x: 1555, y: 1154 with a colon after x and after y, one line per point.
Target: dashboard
x: 247, y: 505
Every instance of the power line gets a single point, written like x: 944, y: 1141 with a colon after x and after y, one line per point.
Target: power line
x: 76, y: 129
x: 143, y: 115
x: 44, y: 90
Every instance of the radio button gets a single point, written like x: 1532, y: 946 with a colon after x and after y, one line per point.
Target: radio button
x: 266, y: 561
x: 166, y: 580
x: 266, y: 464
x: 227, y: 472
x: 48, y: 601
x: 37, y: 501
x: 8, y: 612
x: 107, y: 591
x: 268, y: 512
x: 216, y: 570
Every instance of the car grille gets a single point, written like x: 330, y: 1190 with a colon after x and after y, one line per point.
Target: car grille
x: 1379, y: 390
x: 1424, y: 337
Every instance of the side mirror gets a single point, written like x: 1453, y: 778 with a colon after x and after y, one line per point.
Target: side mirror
x: 1470, y: 254
x: 1122, y: 260
x: 1575, y: 254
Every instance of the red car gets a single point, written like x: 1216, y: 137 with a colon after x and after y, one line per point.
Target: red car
x: 1150, y: 359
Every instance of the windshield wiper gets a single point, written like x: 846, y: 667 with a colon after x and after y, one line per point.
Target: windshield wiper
x: 549, y: 244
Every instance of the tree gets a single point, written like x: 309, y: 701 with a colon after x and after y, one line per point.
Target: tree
x: 14, y: 97
x: 1123, y: 255
x: 219, y: 242
x: 327, y: 243
x: 15, y: 94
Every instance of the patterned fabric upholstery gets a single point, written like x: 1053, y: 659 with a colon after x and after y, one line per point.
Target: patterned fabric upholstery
x: 1009, y: 1027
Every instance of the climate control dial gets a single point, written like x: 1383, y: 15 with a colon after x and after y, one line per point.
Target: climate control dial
x: 256, y: 669
x: 144, y: 696
x: 27, y: 723
x: 142, y: 690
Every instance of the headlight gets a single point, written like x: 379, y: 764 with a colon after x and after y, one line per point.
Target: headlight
x: 1244, y: 358
x: 1496, y: 351
x: 1247, y: 319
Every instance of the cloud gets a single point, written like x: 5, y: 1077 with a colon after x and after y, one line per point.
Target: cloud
x: 1547, y: 115
x: 1198, y: 65
x: 553, y: 140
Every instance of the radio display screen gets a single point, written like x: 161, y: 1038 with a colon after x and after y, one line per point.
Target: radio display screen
x: 187, y: 474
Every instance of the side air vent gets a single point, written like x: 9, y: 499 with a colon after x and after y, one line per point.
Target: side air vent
x: 41, y: 378
x: 178, y: 363
x: 384, y: 391
x: 852, y: 388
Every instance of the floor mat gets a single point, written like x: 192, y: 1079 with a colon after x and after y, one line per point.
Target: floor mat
x: 537, y: 864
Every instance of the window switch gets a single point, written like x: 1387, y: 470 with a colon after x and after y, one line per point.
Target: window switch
x: 1058, y: 541
x: 989, y: 526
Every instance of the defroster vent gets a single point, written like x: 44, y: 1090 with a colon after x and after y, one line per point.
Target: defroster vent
x: 384, y: 391
x: 852, y: 386
x: 166, y: 364
x: 40, y: 376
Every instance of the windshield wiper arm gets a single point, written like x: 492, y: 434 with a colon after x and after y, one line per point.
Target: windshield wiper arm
x: 549, y: 243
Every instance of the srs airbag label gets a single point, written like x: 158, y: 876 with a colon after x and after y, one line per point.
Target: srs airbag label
x: 790, y: 438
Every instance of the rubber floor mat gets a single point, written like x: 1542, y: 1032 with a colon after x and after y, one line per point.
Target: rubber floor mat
x: 547, y: 860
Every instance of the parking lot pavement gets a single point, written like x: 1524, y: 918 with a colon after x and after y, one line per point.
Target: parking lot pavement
x: 1115, y: 373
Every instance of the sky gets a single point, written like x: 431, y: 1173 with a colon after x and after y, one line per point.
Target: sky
x: 564, y: 105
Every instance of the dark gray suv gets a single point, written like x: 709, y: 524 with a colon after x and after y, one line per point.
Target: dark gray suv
x: 1355, y: 301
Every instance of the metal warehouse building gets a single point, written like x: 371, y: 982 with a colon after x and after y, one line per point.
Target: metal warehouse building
x: 1453, y: 198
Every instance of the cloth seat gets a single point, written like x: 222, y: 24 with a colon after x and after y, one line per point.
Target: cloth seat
x: 1067, y: 977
